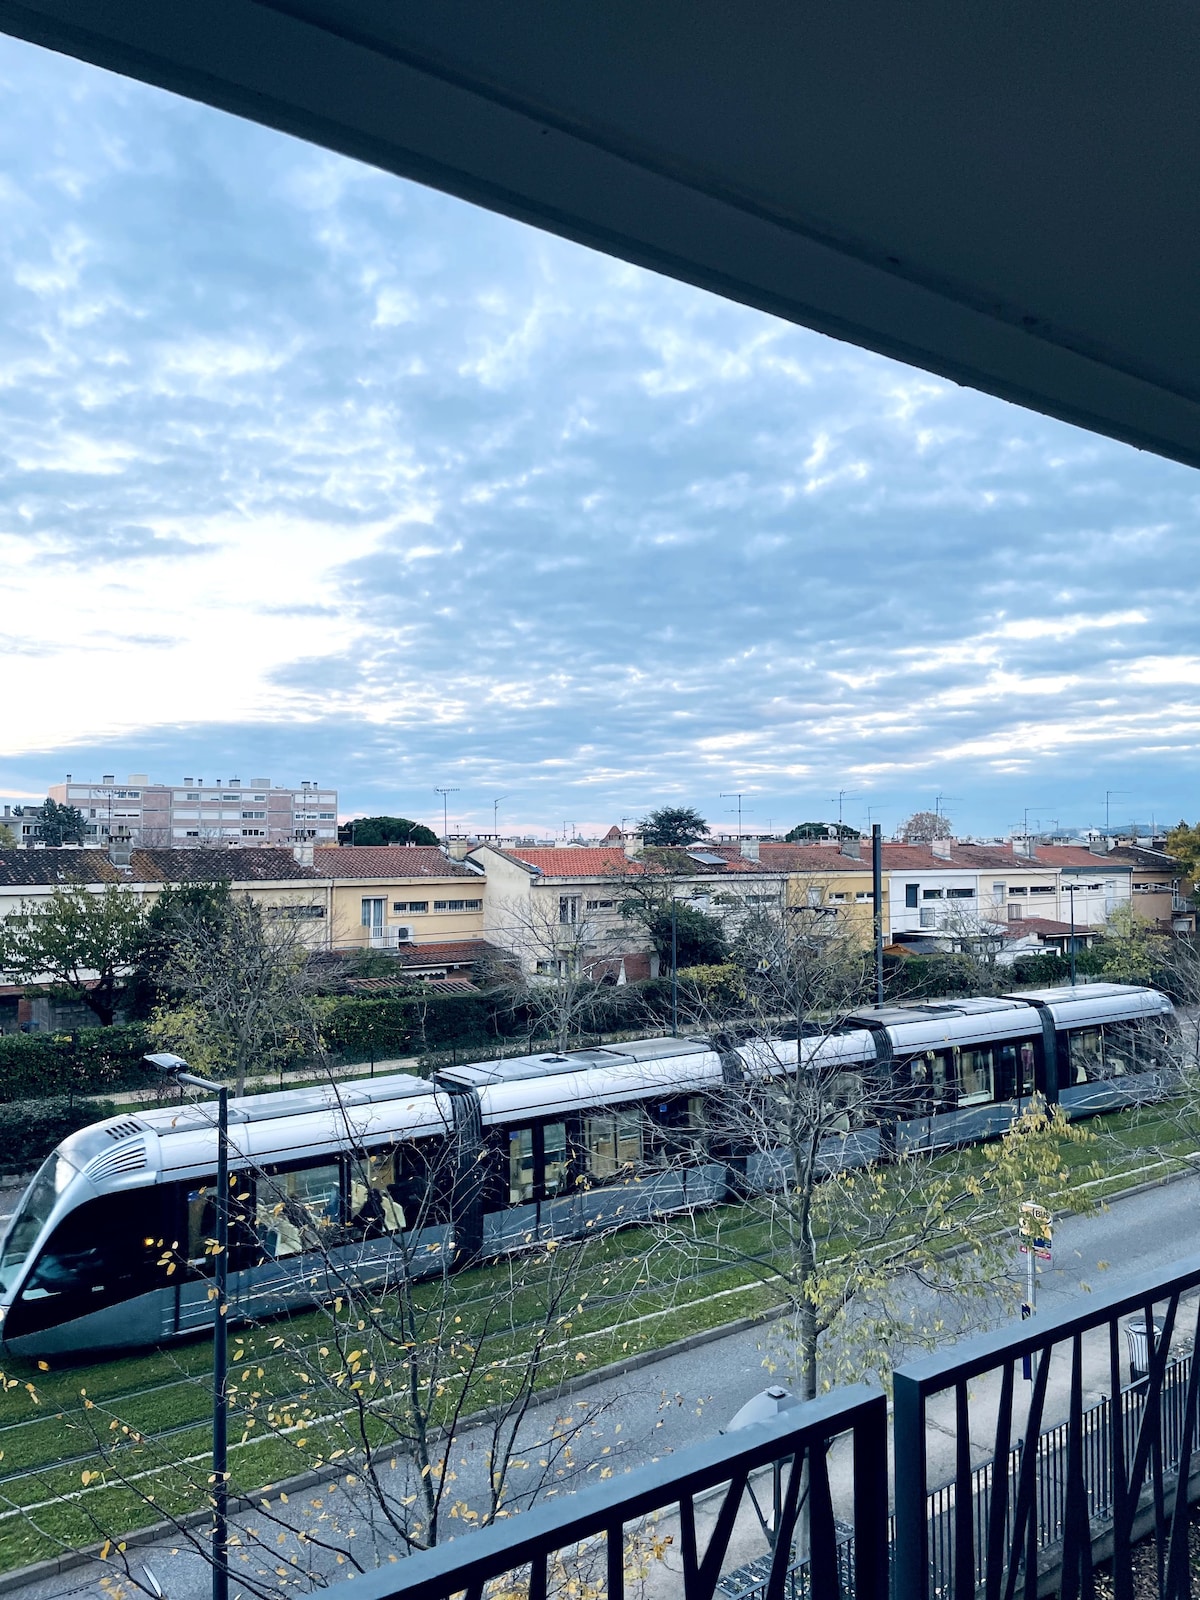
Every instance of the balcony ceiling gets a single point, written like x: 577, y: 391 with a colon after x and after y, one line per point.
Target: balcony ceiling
x: 1007, y: 195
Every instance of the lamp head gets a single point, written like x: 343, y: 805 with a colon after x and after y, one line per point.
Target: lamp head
x: 166, y: 1063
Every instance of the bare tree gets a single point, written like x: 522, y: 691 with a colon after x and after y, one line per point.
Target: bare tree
x: 236, y: 978
x: 560, y: 957
x: 843, y: 1215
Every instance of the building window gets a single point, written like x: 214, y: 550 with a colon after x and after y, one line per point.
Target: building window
x: 599, y: 905
x: 327, y: 816
x: 931, y: 894
x: 1041, y: 888
x: 458, y: 905
x: 813, y: 897
x: 297, y: 913
x: 960, y: 894
x: 253, y: 816
x: 254, y: 833
x: 837, y: 897
x: 410, y: 905
x: 192, y: 833
x: 1016, y: 913
x: 231, y: 797
x: 911, y: 892
x: 998, y: 891
x: 568, y: 908
x: 1019, y: 888
x: 928, y: 917
x: 372, y: 914
x: 862, y: 895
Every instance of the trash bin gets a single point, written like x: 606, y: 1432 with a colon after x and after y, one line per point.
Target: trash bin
x: 1139, y: 1351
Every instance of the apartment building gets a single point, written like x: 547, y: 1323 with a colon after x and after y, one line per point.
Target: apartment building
x: 196, y: 814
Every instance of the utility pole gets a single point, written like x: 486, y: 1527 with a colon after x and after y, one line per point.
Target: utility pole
x: 877, y: 906
x: 445, y: 817
x: 736, y: 795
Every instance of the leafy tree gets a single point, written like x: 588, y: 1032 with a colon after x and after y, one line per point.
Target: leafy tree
x: 924, y: 826
x: 8, y: 839
x: 179, y: 908
x: 77, y: 945
x: 1183, y: 843
x: 699, y: 937
x: 62, y: 824
x: 385, y: 830
x: 673, y: 825
x: 817, y: 832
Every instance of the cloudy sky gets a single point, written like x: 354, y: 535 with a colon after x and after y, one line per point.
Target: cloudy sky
x: 312, y: 473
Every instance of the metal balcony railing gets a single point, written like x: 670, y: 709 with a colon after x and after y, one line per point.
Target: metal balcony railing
x: 1093, y: 1483
x: 580, y: 1543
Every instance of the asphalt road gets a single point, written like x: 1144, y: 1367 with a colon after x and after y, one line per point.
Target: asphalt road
x: 687, y: 1397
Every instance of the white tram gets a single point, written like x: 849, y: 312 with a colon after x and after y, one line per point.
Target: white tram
x: 397, y: 1174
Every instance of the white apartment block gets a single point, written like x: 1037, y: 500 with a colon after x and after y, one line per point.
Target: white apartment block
x: 218, y: 814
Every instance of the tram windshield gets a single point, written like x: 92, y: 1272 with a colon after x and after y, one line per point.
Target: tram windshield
x: 52, y: 1178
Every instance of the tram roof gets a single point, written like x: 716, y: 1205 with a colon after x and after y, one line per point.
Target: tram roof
x: 193, y: 1115
x: 514, y: 1069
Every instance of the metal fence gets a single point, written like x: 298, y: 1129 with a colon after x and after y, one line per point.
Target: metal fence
x: 581, y: 1543
x: 1104, y: 1471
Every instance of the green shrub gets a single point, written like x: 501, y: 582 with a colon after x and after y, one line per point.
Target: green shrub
x: 1041, y: 971
x: 91, y: 1061
x: 30, y: 1129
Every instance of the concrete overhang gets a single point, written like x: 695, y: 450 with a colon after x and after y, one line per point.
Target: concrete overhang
x: 1005, y: 195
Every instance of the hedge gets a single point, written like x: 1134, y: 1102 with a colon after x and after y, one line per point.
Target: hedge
x: 31, y: 1129
x: 91, y: 1061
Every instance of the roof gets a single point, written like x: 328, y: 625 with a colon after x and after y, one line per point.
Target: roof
x: 604, y: 861
x: 42, y: 868
x: 395, y: 861
x: 980, y: 193
x: 1045, y: 927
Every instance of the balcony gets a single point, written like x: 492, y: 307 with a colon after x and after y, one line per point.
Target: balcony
x: 801, y: 1505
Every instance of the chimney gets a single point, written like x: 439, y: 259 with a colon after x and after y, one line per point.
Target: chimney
x: 139, y: 778
x: 303, y: 853
x: 1023, y: 847
x: 748, y: 849
x: 120, y: 852
x: 108, y: 778
x: 632, y: 843
x: 1099, y: 847
x: 851, y: 848
x: 941, y: 848
x: 68, y: 777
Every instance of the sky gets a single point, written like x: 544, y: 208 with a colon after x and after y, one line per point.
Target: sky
x: 309, y: 472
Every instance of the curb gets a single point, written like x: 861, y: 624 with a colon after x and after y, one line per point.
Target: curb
x: 72, y: 1560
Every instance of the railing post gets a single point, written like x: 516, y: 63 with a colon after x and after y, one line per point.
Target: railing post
x: 912, y: 1516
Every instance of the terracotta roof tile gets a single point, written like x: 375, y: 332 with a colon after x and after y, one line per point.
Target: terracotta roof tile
x: 387, y: 861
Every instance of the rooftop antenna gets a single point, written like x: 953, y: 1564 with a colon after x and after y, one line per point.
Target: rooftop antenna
x: 437, y: 789
x: 1108, y: 794
x: 736, y: 794
x: 1028, y: 809
x: 842, y: 794
x: 496, y: 812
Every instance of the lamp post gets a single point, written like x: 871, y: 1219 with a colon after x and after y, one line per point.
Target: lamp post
x: 1071, y: 888
x: 176, y: 1067
x: 674, y: 968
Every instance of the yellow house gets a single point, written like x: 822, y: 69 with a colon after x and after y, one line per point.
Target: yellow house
x: 823, y: 878
x: 388, y: 897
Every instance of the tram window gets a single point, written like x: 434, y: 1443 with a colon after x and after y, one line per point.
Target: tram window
x: 974, y: 1077
x: 933, y: 1083
x: 520, y: 1166
x: 1086, y: 1055
x: 843, y: 1103
x: 51, y: 1180
x: 298, y: 1208
x: 106, y: 1250
x: 1121, y: 1049
x: 375, y: 1205
x: 1027, y: 1082
x: 556, y: 1156
x: 612, y: 1143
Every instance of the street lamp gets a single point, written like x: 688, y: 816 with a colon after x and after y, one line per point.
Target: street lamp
x: 176, y: 1067
x: 762, y: 1408
x: 1070, y: 889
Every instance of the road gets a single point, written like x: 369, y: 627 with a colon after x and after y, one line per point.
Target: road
x: 687, y: 1397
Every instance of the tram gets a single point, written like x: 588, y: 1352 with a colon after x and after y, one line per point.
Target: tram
x: 110, y: 1247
